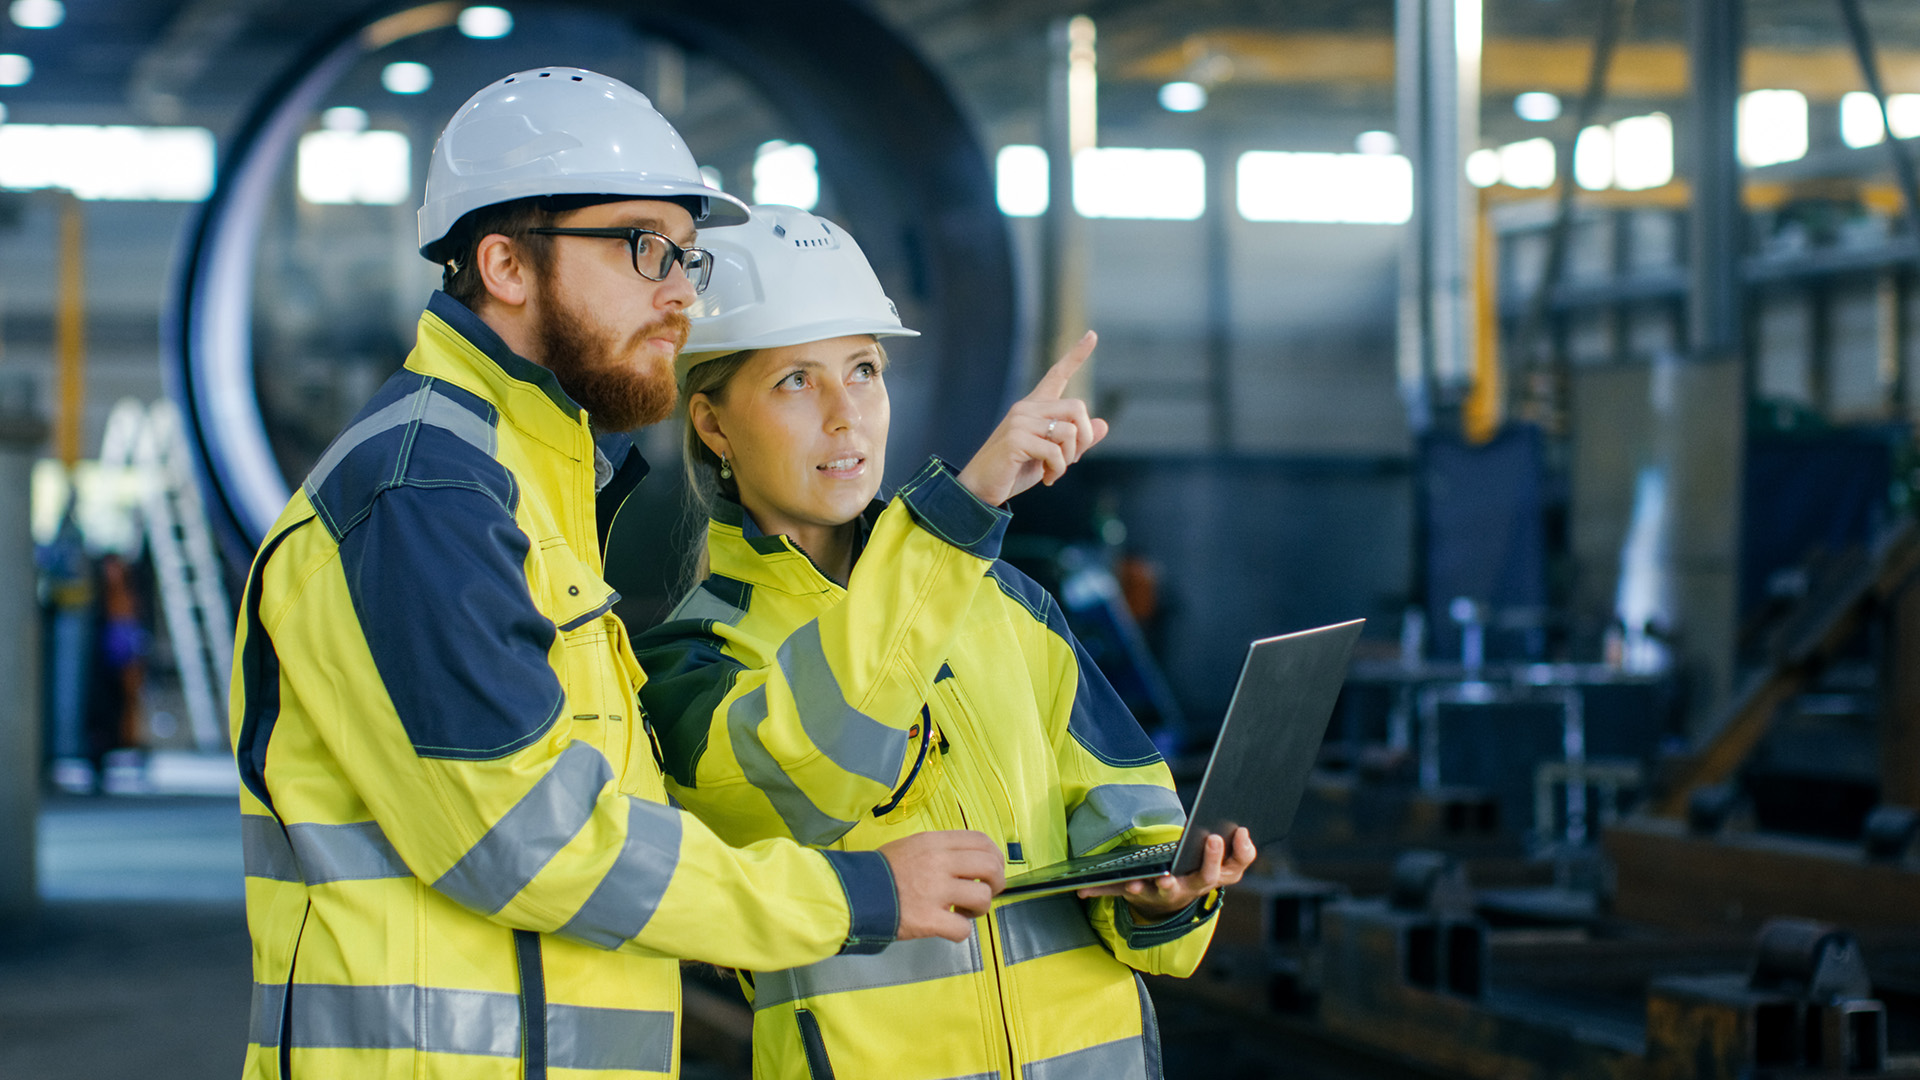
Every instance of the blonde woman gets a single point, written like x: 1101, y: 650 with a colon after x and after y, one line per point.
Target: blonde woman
x: 849, y: 671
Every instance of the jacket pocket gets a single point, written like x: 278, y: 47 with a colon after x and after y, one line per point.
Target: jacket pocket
x: 600, y: 702
x: 987, y: 761
x: 818, y: 1067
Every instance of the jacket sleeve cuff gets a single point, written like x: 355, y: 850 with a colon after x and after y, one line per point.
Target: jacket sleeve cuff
x: 873, y: 906
x: 1172, y: 928
x: 943, y: 506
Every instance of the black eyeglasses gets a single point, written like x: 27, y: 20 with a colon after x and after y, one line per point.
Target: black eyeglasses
x: 653, y: 253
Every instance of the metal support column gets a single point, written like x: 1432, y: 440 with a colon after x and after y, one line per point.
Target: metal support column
x: 1700, y: 406
x: 1438, y: 45
x: 1219, y: 295
x: 22, y: 432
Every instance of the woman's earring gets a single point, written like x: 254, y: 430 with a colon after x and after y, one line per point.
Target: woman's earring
x: 726, y: 468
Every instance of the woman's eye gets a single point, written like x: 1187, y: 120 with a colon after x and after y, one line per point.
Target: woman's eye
x: 795, y: 381
x: 867, y: 371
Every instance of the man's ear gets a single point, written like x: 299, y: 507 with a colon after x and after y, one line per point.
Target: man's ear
x: 503, y: 270
x: 706, y: 424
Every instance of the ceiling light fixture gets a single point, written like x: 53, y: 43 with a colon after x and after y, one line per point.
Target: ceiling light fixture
x: 486, y: 22
x: 1537, y: 106
x: 406, y: 77
x: 37, y: 14
x: 1183, y: 97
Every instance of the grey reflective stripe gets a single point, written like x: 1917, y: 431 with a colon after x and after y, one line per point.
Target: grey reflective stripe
x: 423, y: 404
x: 581, y: 620
x: 975, y: 1076
x: 528, y: 836
x: 626, y: 897
x: 850, y: 738
x: 445, y: 1021
x: 902, y: 962
x: 355, y: 852
x: 264, y: 849
x: 1112, y: 810
x: 1149, y: 1030
x: 269, y: 1006
x: 805, y: 821
x: 404, y: 1017
x: 443, y: 413
x: 1035, y: 928
x: 581, y: 1037
x: 701, y: 604
x: 1121, y: 1059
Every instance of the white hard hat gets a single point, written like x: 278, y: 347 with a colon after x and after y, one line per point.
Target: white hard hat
x: 785, y: 278
x: 561, y: 131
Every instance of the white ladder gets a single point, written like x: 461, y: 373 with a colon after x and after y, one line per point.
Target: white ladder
x: 150, y: 440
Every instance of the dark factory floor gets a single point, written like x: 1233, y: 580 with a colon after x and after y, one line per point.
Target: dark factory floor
x: 138, y: 964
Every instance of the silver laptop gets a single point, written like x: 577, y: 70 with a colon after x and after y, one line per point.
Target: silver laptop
x: 1266, y: 748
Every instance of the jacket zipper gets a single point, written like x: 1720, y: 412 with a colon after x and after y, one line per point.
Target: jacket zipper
x: 991, y: 959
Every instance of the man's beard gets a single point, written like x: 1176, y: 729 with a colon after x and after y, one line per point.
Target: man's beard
x: 618, y: 393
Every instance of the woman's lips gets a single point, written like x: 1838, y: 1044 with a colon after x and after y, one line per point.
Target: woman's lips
x: 843, y: 467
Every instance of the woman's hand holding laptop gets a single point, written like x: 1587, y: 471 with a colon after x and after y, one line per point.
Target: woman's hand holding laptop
x: 1157, y: 898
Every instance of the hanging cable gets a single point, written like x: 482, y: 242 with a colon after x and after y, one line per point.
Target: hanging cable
x: 1615, y: 16
x: 1864, y: 52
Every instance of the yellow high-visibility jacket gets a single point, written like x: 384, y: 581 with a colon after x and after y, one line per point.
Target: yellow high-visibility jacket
x: 940, y: 689
x: 460, y: 858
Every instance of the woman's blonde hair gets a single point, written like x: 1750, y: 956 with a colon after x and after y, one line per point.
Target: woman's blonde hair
x: 701, y: 464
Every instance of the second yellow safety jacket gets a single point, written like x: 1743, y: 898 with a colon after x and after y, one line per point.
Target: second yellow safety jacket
x: 940, y: 689
x: 460, y: 858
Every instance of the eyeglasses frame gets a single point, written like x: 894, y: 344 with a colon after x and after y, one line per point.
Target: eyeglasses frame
x: 631, y: 234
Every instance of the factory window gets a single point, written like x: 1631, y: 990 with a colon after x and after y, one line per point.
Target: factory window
x: 1633, y: 154
x: 1020, y: 180
x: 339, y: 166
x: 1773, y: 127
x: 1528, y: 164
x: 1860, y: 122
x: 173, y: 164
x: 1642, y: 152
x: 786, y: 173
x: 1127, y: 182
x: 1370, y: 189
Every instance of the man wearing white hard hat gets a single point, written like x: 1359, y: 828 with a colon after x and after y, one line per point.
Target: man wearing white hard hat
x: 847, y: 672
x: 460, y: 856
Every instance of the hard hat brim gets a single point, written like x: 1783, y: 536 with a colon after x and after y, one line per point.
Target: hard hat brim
x: 824, y: 331
x: 722, y: 209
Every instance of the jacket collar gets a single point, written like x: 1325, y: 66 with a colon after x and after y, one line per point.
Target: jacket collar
x: 738, y: 549
x: 462, y: 320
x: 458, y: 346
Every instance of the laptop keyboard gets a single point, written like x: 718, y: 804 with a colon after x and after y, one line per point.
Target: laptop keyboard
x: 1132, y: 858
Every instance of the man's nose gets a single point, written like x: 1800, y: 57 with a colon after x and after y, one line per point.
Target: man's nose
x: 676, y: 293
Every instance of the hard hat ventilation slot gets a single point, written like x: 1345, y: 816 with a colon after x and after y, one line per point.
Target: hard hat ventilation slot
x: 779, y: 231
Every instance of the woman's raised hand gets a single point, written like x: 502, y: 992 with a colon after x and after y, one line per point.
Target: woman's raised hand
x: 1039, y: 437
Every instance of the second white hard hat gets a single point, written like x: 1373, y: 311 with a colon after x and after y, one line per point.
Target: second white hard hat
x: 786, y: 277
x: 560, y: 131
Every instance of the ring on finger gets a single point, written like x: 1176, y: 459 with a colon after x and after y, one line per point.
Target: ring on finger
x: 1048, y: 435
